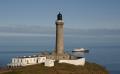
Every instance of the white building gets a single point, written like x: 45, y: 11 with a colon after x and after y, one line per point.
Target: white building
x: 31, y: 60
x: 25, y: 61
x: 49, y: 63
x: 80, y: 61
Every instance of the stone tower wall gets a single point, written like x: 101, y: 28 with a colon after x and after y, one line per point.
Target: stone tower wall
x: 59, y: 37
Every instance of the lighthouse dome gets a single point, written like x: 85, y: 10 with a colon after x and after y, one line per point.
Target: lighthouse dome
x: 59, y: 16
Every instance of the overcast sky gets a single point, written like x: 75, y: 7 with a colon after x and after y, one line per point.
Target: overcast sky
x: 81, y: 14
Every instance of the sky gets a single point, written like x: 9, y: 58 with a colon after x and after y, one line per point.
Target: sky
x: 81, y: 14
x: 24, y: 21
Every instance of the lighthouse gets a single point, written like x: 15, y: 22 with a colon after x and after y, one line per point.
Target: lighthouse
x: 59, y: 53
x: 59, y: 48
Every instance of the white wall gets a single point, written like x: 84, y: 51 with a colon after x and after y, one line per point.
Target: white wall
x: 41, y: 59
x: 27, y: 61
x: 80, y: 61
x: 49, y: 63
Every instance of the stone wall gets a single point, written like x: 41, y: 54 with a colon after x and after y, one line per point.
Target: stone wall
x: 58, y: 57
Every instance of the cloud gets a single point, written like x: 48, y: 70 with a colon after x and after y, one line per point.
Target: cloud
x: 26, y: 29
x: 27, y: 34
x: 36, y: 30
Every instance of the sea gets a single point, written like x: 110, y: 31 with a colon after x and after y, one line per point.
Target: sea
x: 103, y: 50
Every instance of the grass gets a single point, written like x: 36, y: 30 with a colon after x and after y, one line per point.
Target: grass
x: 89, y: 68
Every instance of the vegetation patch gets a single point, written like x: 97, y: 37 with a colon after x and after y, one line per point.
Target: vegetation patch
x: 89, y: 68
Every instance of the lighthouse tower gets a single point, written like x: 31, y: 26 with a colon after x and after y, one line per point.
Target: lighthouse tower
x: 59, y: 50
x: 59, y: 53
